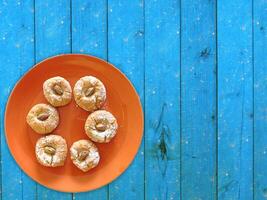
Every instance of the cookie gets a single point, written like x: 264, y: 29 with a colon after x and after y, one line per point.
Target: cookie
x: 84, y: 155
x: 43, y: 118
x: 57, y: 91
x: 51, y: 151
x: 101, y: 126
x: 89, y: 93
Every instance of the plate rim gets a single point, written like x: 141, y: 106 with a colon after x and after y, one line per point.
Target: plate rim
x: 83, y: 55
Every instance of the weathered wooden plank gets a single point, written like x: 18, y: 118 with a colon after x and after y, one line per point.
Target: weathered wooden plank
x: 198, y: 99
x: 89, y: 35
x: 89, y: 27
x: 235, y: 100
x: 52, y: 34
x: 16, y: 57
x: 162, y: 99
x: 126, y: 51
x: 260, y: 99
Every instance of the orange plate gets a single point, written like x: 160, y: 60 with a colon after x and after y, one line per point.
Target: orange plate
x: 122, y: 101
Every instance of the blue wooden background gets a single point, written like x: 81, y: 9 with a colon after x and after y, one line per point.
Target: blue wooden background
x: 200, y: 68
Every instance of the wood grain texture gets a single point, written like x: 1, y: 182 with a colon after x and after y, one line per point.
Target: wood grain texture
x: 89, y: 36
x: 162, y: 99
x: 198, y: 99
x: 235, y: 100
x: 89, y: 27
x: 260, y: 99
x: 168, y: 50
x: 52, y: 37
x: 126, y: 52
x: 16, y: 57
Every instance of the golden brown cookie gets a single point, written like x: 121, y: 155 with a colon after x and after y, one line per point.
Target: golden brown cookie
x: 89, y: 93
x: 84, y: 154
x: 43, y: 118
x: 101, y: 126
x: 57, y: 91
x: 51, y: 151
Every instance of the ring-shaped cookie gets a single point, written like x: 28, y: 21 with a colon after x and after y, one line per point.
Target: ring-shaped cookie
x: 101, y: 126
x: 57, y: 91
x: 51, y: 151
x: 89, y: 93
x: 84, y: 155
x: 43, y: 118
